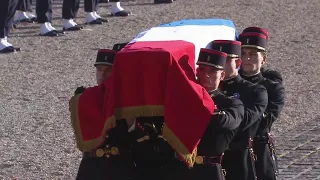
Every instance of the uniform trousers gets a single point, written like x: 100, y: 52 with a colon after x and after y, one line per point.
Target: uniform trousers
x: 7, y: 11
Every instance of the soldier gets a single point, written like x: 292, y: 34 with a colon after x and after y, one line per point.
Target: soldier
x: 7, y: 11
x: 221, y: 129
x: 253, y: 57
x: 225, y: 120
x: 149, y: 150
x: 44, y: 17
x: 111, y: 160
x: 25, y: 12
x: 238, y: 160
x: 117, y: 10
x: 266, y: 72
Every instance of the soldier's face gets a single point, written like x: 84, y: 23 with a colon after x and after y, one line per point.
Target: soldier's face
x: 209, y: 77
x: 252, y: 60
x: 232, y: 65
x: 102, y: 72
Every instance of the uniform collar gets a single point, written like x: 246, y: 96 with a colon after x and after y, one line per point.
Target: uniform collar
x: 254, y: 79
x: 230, y: 83
x: 232, y: 80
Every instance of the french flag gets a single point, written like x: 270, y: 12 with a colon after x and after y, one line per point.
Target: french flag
x: 154, y: 75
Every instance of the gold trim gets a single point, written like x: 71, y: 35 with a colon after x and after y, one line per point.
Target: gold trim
x: 178, y: 146
x: 199, y: 160
x: 253, y: 46
x: 85, y: 146
x: 139, y: 111
x: 114, y: 151
x: 120, y: 113
x: 210, y: 64
x: 144, y: 138
x: 233, y: 55
x: 99, y: 152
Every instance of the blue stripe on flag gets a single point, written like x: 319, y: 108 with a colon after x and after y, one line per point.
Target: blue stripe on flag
x: 203, y: 22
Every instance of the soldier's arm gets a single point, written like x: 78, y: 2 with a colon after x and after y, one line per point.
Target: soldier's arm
x: 230, y: 115
x: 255, y: 109
x: 276, y: 102
x: 79, y: 90
x: 272, y: 75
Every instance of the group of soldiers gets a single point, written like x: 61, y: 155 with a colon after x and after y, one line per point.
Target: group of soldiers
x: 43, y: 16
x: 236, y: 145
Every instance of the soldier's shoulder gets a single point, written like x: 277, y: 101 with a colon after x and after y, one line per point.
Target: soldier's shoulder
x: 252, y: 86
x: 273, y: 84
x: 272, y: 75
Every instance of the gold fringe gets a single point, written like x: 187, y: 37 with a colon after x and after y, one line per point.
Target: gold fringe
x: 120, y: 113
x: 180, y: 148
x: 139, y: 111
x: 82, y: 145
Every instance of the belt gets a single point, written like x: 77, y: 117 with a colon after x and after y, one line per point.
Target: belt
x: 264, y: 139
x: 240, y: 145
x: 209, y: 159
x: 106, y: 151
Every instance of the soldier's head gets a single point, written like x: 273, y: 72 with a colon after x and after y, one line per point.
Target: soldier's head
x: 103, y: 64
x: 253, y: 52
x: 233, y: 50
x: 210, y: 71
x: 119, y: 46
x: 257, y: 30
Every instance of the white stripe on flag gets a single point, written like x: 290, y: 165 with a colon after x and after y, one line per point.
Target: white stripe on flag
x: 199, y: 35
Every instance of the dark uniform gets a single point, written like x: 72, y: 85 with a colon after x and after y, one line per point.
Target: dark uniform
x: 239, y: 160
x: 271, y: 74
x: 266, y: 164
x: 7, y: 11
x: 222, y: 127
x: 119, y: 12
x: 218, y: 135
x: 267, y: 73
x: 149, y: 150
x: 44, y: 11
x: 25, y: 6
x: 112, y: 160
x: 70, y: 9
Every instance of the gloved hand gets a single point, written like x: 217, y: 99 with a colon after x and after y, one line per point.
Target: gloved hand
x: 79, y: 90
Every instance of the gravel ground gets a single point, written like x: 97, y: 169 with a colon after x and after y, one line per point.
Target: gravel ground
x: 36, y: 138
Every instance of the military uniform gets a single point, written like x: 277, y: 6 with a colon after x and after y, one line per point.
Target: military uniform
x: 7, y: 11
x: 239, y: 160
x: 24, y: 6
x: 44, y: 10
x: 271, y: 74
x: 150, y: 152
x: 266, y: 164
x: 220, y: 131
x: 267, y: 73
x: 112, y: 160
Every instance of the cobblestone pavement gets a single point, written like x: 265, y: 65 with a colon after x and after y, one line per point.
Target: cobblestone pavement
x: 299, y: 152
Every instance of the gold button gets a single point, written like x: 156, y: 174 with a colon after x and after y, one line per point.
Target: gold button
x: 114, y: 151
x: 99, y: 152
x: 199, y: 159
